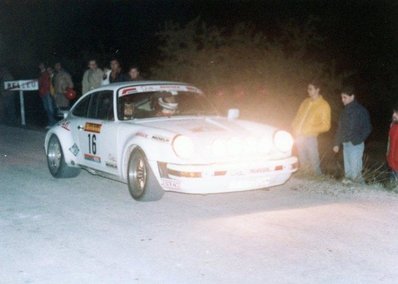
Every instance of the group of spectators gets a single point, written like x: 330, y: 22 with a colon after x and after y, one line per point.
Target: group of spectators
x: 55, y: 84
x: 95, y: 77
x: 314, y: 117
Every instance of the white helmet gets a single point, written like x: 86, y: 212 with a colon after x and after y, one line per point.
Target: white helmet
x: 167, y: 105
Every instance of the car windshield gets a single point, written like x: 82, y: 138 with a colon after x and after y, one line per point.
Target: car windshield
x: 163, y: 103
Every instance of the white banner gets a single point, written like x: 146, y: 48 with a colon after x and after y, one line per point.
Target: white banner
x: 21, y: 85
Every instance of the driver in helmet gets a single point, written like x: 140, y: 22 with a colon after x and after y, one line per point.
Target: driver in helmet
x: 168, y: 105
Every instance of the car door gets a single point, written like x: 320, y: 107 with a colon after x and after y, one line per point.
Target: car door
x: 76, y: 124
x: 96, y: 133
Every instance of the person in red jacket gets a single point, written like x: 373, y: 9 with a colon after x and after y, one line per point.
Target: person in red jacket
x: 392, y: 148
x: 45, y: 93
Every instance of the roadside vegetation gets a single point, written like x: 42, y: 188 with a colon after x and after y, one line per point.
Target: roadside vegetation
x: 264, y: 76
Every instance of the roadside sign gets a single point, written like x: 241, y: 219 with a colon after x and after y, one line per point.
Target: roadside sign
x: 21, y: 86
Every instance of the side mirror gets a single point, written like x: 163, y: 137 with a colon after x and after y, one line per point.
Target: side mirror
x: 62, y: 113
x: 233, y: 113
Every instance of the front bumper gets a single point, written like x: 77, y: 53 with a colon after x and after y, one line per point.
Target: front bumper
x: 218, y: 178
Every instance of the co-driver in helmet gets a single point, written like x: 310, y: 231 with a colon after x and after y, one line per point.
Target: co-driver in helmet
x: 168, y: 104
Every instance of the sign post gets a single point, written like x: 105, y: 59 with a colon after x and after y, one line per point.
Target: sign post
x: 22, y: 85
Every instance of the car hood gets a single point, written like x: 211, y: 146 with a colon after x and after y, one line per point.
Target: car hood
x: 218, y: 126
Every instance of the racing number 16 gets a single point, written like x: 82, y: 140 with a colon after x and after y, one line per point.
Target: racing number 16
x: 92, y: 145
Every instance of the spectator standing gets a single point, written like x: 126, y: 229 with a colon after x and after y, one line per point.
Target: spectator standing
x: 392, y: 148
x: 92, y: 77
x: 116, y: 74
x: 45, y: 93
x: 313, y: 118
x: 134, y: 74
x: 105, y: 78
x: 353, y: 129
x: 62, y: 81
x: 8, y: 111
x: 51, y: 73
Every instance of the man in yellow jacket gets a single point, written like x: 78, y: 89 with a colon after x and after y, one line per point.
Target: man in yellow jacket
x: 312, y: 119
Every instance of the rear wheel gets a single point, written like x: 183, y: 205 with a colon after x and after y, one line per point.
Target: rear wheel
x: 56, y: 161
x: 142, y: 183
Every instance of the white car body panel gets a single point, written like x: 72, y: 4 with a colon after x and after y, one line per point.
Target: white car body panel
x: 104, y: 146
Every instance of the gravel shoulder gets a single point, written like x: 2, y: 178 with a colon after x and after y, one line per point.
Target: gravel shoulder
x: 88, y: 229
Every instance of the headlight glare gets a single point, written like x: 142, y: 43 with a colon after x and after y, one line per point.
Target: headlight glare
x: 251, y: 145
x: 265, y: 145
x: 283, y: 141
x: 234, y: 146
x: 183, y: 146
x: 219, y: 147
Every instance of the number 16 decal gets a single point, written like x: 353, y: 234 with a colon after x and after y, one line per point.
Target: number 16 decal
x: 92, y: 145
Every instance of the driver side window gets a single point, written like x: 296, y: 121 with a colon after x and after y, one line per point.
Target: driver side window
x: 101, y: 106
x: 81, y: 109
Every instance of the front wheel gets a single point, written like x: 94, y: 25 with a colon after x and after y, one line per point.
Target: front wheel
x: 56, y: 160
x: 142, y: 183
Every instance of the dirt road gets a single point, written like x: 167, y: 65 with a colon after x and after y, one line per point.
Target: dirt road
x: 89, y: 230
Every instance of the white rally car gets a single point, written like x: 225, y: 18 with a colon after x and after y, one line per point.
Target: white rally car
x: 164, y: 136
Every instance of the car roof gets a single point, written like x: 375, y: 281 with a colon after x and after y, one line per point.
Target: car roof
x: 139, y: 83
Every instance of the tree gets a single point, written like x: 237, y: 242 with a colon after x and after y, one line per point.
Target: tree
x: 266, y: 77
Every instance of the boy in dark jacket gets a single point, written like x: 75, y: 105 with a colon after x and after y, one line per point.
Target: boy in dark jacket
x: 354, y: 127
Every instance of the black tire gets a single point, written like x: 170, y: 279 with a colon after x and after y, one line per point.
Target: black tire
x: 141, y: 181
x: 56, y: 161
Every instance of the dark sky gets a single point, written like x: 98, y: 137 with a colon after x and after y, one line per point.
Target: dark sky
x: 362, y: 35
x: 361, y: 32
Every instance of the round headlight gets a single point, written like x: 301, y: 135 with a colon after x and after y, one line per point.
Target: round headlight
x: 183, y: 146
x: 283, y: 141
